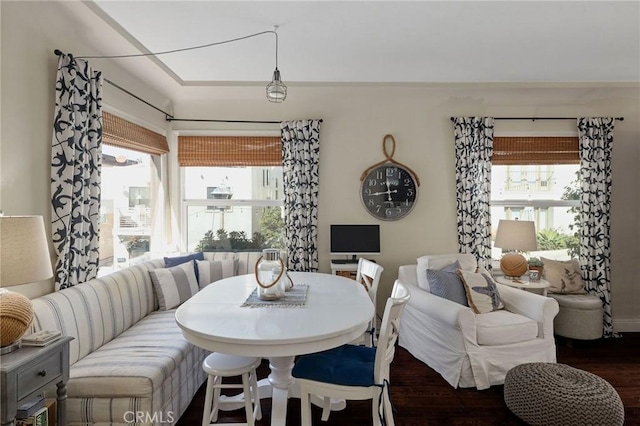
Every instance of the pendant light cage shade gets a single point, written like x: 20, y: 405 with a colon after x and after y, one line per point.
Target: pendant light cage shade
x: 276, y: 90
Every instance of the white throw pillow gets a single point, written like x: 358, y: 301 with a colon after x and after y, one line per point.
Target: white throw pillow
x: 174, y: 286
x: 210, y: 271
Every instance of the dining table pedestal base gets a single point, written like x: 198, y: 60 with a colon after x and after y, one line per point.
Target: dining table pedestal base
x: 281, y: 381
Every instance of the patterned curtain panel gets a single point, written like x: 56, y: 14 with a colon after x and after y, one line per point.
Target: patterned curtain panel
x: 300, y: 160
x: 474, y: 149
x: 76, y: 156
x: 596, y: 143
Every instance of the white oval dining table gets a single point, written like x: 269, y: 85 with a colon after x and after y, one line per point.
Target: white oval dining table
x: 337, y: 311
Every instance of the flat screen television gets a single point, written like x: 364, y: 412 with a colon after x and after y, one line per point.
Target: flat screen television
x: 355, y: 240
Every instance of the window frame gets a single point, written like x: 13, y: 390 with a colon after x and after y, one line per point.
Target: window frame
x: 534, y: 204
x: 186, y: 202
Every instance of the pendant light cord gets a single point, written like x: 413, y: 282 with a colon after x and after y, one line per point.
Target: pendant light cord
x: 135, y: 55
x: 275, y: 32
x: 168, y: 116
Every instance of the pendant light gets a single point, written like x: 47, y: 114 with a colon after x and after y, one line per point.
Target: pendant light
x: 276, y: 90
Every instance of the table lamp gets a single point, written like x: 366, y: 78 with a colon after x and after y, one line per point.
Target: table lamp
x: 517, y: 235
x: 24, y: 258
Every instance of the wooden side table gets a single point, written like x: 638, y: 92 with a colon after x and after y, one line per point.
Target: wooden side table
x: 27, y: 372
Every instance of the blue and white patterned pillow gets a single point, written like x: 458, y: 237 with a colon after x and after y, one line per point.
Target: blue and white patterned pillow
x: 446, y: 283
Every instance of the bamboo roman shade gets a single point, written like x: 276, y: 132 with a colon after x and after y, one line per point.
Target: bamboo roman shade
x: 523, y: 150
x: 122, y: 133
x: 229, y: 151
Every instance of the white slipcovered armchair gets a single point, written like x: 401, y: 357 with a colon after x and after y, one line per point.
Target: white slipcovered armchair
x: 469, y: 349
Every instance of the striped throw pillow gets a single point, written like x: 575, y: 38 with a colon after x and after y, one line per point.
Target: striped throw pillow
x: 174, y: 285
x: 213, y: 270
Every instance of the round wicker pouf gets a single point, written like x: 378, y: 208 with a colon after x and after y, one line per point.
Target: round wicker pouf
x: 557, y: 394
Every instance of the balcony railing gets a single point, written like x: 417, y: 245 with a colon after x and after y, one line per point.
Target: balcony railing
x: 134, y: 220
x: 526, y: 185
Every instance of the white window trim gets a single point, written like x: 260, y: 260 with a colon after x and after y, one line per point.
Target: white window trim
x: 535, y: 203
x: 231, y: 203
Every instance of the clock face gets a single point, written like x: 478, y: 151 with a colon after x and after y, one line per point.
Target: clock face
x: 389, y: 192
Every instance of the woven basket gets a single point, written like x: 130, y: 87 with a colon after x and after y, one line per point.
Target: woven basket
x: 16, y: 313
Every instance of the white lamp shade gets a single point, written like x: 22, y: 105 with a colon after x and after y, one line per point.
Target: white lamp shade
x: 517, y: 235
x: 24, y: 250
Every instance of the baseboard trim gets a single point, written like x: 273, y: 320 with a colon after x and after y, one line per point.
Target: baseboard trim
x: 626, y: 325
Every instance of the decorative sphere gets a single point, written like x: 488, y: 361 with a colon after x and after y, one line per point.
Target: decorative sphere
x: 513, y: 265
x: 16, y: 313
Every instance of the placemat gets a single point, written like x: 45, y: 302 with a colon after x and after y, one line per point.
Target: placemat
x: 294, y: 298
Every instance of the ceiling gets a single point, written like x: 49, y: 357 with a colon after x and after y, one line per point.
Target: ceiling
x: 337, y: 42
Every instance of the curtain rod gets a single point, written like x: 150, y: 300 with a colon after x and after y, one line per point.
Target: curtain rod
x: 541, y: 118
x: 167, y: 115
x: 58, y: 52
x: 225, y: 121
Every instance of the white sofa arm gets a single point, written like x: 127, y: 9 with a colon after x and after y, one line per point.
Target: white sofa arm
x: 450, y: 317
x: 407, y: 274
x: 537, y: 307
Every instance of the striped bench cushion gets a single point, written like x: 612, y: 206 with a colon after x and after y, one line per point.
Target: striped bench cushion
x: 149, y: 368
x: 96, y: 312
x: 144, y: 356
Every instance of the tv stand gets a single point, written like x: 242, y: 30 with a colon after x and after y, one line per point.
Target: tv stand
x: 344, y: 261
x: 343, y: 268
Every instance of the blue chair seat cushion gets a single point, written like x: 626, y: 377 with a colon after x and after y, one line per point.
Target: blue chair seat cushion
x: 347, y: 365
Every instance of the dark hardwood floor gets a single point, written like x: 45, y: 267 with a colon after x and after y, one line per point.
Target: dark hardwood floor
x: 421, y: 397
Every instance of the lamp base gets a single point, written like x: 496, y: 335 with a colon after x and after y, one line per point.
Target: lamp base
x: 513, y: 265
x: 10, y: 348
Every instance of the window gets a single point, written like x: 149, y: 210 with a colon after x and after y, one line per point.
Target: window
x: 536, y: 178
x: 130, y: 163
x: 126, y: 207
x: 232, y: 188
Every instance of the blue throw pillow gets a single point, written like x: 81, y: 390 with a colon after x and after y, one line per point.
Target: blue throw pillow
x: 446, y: 283
x: 170, y: 262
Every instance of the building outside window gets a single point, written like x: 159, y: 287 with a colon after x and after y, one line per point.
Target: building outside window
x: 233, y: 208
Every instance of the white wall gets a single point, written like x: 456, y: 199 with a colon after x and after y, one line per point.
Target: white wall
x: 355, y: 120
x: 30, y: 32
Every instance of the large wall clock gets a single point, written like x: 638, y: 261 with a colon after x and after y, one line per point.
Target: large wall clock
x: 389, y: 189
x: 389, y: 192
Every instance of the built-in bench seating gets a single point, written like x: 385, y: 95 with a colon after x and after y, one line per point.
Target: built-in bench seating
x: 127, y: 357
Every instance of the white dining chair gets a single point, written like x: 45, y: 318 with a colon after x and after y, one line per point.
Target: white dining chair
x: 219, y: 366
x: 354, y: 372
x: 368, y: 274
